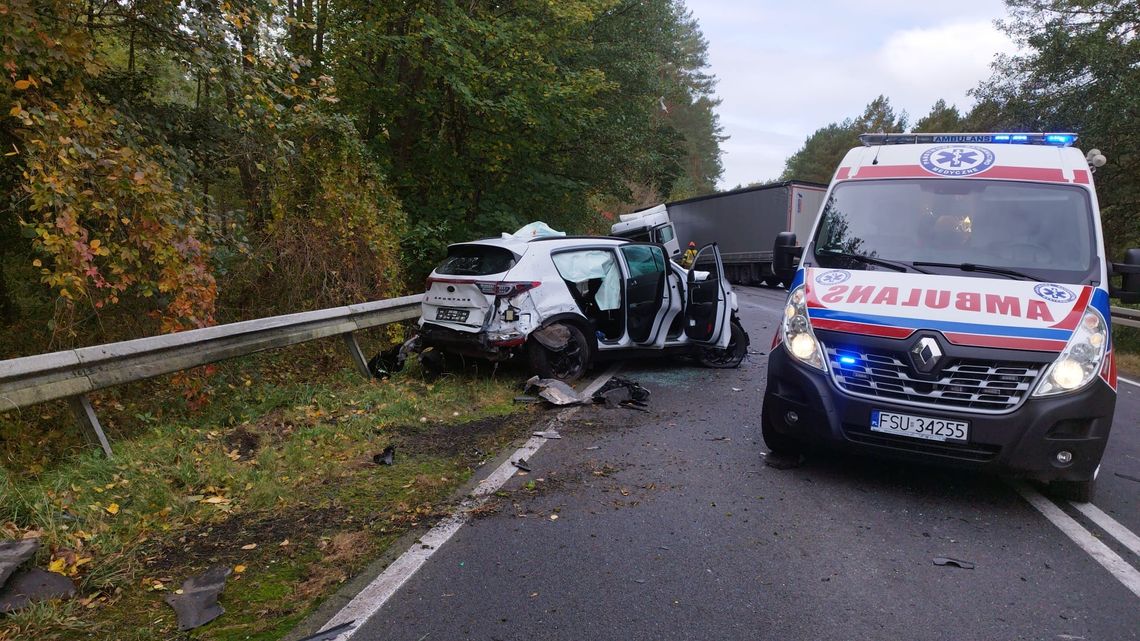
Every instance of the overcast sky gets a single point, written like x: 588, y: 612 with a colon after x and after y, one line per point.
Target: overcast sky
x: 788, y: 67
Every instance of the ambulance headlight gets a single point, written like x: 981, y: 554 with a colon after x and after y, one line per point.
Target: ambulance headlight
x: 796, y: 334
x: 1082, y: 358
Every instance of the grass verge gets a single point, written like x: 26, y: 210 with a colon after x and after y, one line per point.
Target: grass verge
x: 274, y: 479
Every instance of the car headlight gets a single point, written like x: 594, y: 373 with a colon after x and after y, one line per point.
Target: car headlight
x: 1082, y: 358
x: 796, y: 334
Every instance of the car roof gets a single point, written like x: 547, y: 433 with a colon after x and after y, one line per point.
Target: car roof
x: 519, y: 245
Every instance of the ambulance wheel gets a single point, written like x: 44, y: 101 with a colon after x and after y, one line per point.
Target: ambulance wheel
x: 567, y: 364
x: 1078, y: 491
x: 777, y: 442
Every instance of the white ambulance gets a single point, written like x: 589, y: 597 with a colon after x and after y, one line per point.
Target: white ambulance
x: 952, y: 305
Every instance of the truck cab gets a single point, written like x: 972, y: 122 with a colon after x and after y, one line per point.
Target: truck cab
x: 649, y: 226
x: 952, y: 306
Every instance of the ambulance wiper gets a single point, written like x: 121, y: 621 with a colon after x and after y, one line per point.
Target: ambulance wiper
x: 987, y: 269
x: 869, y: 260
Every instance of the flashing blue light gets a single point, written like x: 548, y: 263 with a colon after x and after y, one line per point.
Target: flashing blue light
x: 846, y: 360
x: 1001, y: 138
x: 1059, y: 139
x: 1019, y: 138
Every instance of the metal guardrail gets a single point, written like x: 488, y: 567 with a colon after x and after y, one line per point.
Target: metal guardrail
x: 1125, y: 316
x: 71, y: 374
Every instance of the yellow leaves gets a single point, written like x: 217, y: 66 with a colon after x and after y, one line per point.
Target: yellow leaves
x: 217, y: 500
x: 67, y: 563
x: 112, y: 509
x: 37, y: 263
x: 15, y: 111
x: 23, y: 85
x: 238, y: 569
x: 58, y: 565
x: 251, y: 546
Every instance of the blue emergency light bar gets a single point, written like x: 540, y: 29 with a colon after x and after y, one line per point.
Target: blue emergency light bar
x: 1056, y: 139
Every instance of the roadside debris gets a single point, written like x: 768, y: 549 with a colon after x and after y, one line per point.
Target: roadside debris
x: 331, y: 633
x: 13, y: 553
x: 527, y: 399
x: 622, y: 392
x: 387, y: 457
x: 521, y: 464
x: 548, y: 434
x: 945, y: 560
x: 197, y: 604
x: 392, y: 360
x: 33, y: 586
x: 555, y: 391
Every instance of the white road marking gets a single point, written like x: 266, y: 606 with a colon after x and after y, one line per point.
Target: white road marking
x: 1110, y: 525
x: 1109, y: 560
x: 1127, y: 380
x: 369, y: 601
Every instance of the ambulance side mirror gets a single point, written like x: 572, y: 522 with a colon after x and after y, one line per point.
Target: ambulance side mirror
x: 784, y: 256
x: 1129, y: 271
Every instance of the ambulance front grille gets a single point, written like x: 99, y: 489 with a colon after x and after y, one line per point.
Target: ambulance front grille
x: 974, y: 385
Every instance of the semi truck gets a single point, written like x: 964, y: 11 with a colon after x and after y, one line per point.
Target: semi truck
x: 746, y: 224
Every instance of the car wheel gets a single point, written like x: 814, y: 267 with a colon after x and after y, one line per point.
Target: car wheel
x: 1079, y: 491
x: 567, y: 364
x: 777, y: 442
x: 730, y: 356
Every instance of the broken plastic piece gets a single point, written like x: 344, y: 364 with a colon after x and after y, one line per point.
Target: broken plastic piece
x: 198, y: 603
x: 945, y: 560
x: 33, y: 586
x: 331, y: 633
x: 548, y: 434
x: 521, y: 464
x: 13, y: 553
x: 555, y: 391
x: 387, y: 457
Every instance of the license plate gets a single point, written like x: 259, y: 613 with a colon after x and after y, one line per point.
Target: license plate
x: 452, y: 314
x: 932, y: 429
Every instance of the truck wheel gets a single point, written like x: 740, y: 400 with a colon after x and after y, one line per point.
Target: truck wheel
x: 730, y: 356
x: 1079, y: 491
x: 567, y: 364
x: 777, y: 442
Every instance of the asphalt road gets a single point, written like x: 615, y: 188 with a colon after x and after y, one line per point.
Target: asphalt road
x: 669, y: 525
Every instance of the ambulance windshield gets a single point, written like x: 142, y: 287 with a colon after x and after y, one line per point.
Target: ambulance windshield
x: 1045, y: 231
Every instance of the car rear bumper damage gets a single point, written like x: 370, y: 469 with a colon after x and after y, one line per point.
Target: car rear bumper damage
x: 495, y: 347
x: 804, y: 404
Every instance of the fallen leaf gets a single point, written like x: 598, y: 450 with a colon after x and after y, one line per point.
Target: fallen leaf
x: 238, y: 569
x: 216, y: 500
x: 112, y: 508
x: 249, y: 547
x: 58, y: 565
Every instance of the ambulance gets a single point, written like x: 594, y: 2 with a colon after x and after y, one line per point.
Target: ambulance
x: 952, y: 306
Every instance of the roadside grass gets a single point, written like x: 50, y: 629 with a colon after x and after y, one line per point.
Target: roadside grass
x: 274, y: 479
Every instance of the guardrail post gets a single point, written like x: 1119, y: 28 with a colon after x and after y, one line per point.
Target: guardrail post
x: 89, y: 422
x: 355, y: 352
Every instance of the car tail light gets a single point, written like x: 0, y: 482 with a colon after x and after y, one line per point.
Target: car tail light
x: 506, y: 287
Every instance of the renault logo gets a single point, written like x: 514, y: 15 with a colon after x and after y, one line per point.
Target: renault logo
x: 926, y: 353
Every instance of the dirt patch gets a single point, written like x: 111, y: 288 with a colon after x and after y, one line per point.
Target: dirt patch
x: 344, y: 550
x: 275, y: 426
x: 243, y: 441
x: 222, y: 542
x: 457, y: 439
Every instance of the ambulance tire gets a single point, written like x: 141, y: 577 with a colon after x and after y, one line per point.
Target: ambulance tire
x: 567, y: 364
x: 1078, y: 491
x: 778, y: 443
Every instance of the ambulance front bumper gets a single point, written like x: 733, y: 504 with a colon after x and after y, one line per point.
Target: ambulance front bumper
x: 805, y: 405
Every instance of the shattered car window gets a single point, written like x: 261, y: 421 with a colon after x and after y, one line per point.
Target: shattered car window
x: 476, y: 260
x: 582, y: 267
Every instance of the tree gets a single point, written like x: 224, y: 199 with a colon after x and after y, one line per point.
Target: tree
x: 823, y: 150
x: 1080, y: 71
x: 940, y: 119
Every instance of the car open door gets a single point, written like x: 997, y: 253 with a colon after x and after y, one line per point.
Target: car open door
x: 651, y: 301
x: 707, y: 316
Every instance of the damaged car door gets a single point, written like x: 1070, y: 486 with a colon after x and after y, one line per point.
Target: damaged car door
x: 707, y: 317
x: 650, y: 301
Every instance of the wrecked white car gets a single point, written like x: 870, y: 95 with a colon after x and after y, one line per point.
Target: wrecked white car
x: 566, y: 302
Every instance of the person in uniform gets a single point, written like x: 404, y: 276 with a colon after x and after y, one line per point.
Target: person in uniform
x: 690, y: 255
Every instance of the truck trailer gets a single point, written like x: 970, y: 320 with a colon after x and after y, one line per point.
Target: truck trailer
x: 743, y: 222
